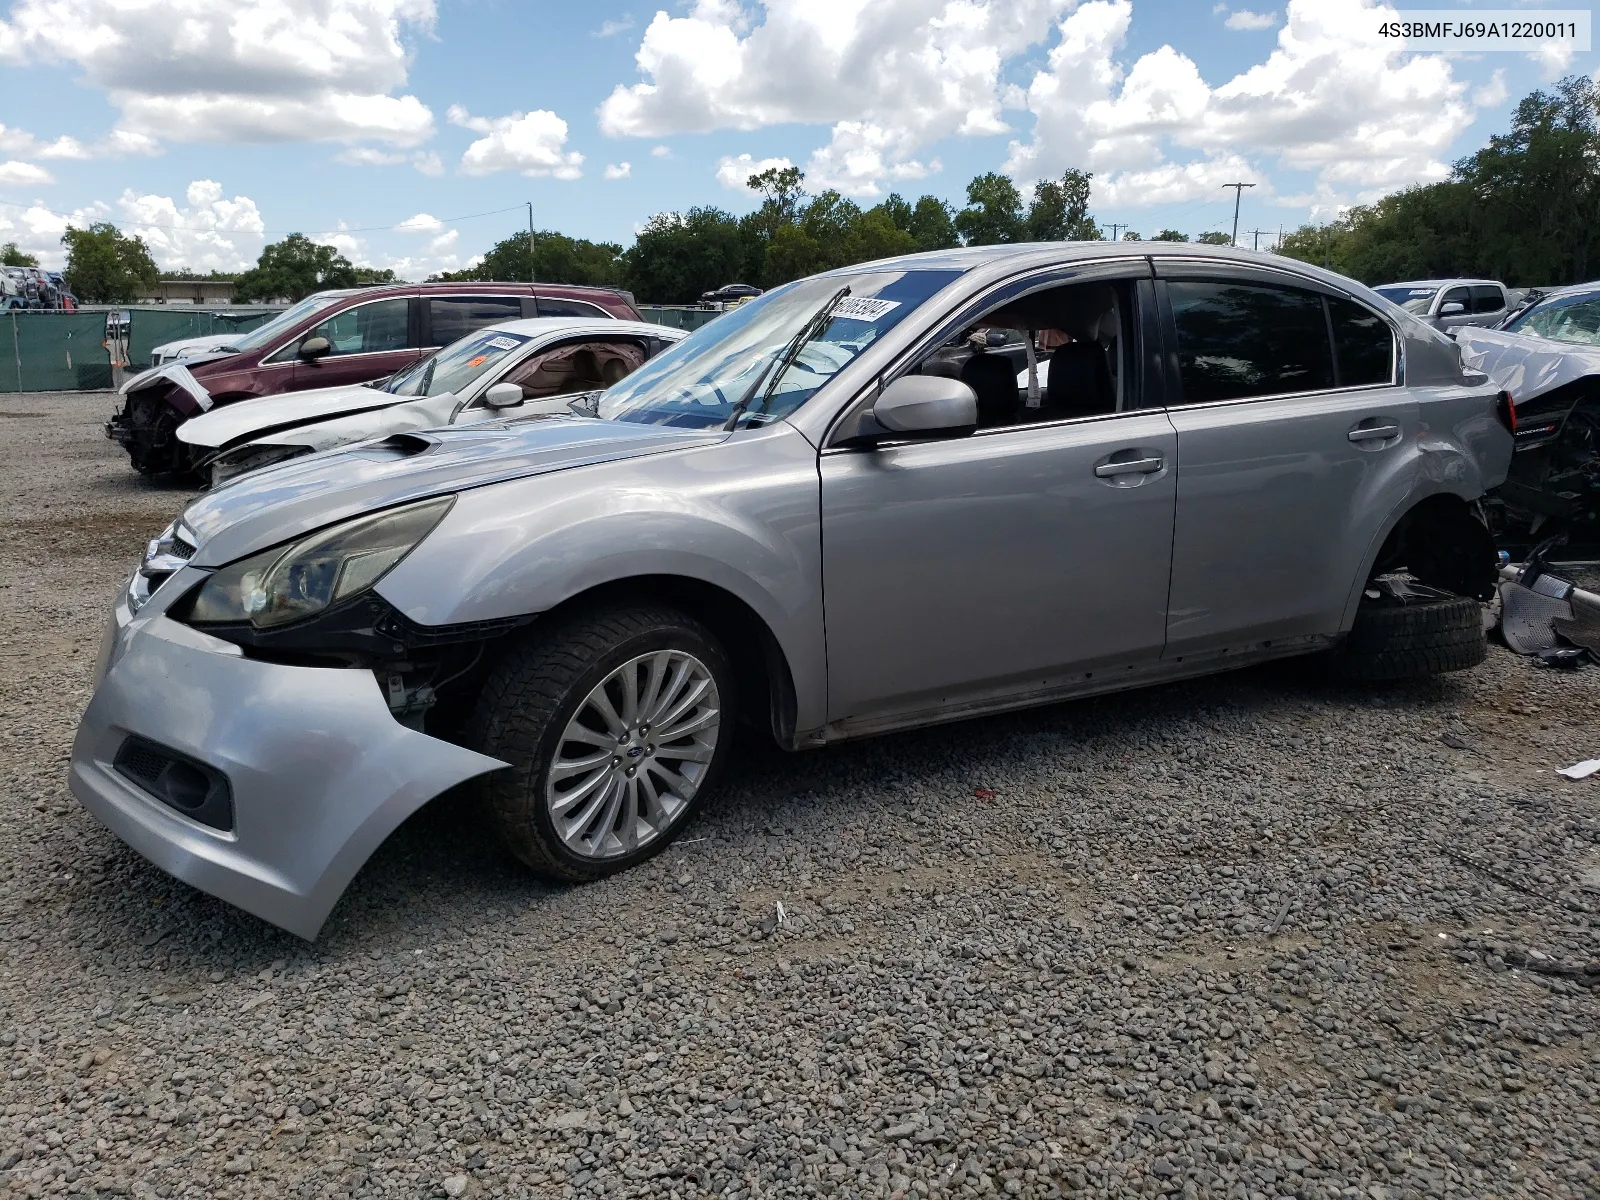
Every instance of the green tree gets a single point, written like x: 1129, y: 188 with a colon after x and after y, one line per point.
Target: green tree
x: 1059, y: 211
x: 104, y: 266
x: 994, y: 212
x: 557, y: 258
x: 679, y: 256
x: 1213, y: 238
x: 10, y: 256
x: 367, y: 276
x: 933, y: 225
x: 1170, y: 235
x: 293, y: 269
x: 1131, y: 236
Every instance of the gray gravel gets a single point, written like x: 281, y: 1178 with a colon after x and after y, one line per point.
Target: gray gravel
x: 1247, y: 936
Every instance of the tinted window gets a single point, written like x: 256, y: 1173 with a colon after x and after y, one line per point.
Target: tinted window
x: 1486, y: 298
x: 456, y: 316
x: 1457, y: 295
x: 1249, y: 339
x: 1412, y: 299
x: 550, y: 306
x: 1363, y: 343
x: 367, y: 328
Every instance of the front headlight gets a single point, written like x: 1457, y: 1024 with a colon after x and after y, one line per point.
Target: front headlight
x: 292, y: 582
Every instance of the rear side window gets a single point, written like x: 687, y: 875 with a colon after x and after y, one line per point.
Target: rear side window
x: 1486, y: 298
x: 1249, y: 339
x: 454, y: 317
x: 553, y: 306
x: 1363, y: 344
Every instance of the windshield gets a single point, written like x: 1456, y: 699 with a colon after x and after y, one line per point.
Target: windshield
x: 456, y: 366
x: 1412, y: 299
x: 1574, y: 318
x: 701, y: 381
x: 262, y: 334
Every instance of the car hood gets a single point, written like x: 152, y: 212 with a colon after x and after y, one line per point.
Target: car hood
x: 263, y: 508
x: 247, y: 419
x: 1527, y: 367
x: 210, y: 342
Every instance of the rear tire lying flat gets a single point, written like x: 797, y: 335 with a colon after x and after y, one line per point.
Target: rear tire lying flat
x: 615, y: 724
x: 1409, y: 641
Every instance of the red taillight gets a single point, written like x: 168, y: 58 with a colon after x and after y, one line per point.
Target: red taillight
x: 1507, y: 408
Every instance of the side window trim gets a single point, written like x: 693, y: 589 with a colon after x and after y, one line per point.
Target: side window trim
x: 1132, y: 270
x: 1286, y: 279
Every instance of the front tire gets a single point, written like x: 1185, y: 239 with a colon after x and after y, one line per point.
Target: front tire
x: 1429, y: 634
x: 615, y: 724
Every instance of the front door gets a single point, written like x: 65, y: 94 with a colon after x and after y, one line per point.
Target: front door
x: 1284, y: 435
x: 1015, y: 560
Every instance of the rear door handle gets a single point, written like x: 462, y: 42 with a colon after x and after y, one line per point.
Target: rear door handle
x: 1374, y: 433
x: 1132, y: 466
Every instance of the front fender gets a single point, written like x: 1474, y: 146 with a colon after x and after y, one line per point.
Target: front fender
x: 740, y: 515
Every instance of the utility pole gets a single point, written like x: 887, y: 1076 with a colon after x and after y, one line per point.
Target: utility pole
x: 1255, y: 235
x: 530, y: 244
x: 1238, y: 191
x: 1114, y: 228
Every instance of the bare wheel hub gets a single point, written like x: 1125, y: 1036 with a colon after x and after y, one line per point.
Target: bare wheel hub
x: 634, y: 754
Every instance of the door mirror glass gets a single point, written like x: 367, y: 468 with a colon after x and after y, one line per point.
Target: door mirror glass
x: 1452, y: 308
x: 926, y: 404
x: 503, y: 395
x: 315, y: 347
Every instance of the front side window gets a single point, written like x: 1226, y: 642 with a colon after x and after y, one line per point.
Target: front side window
x: 1237, y: 340
x: 1486, y: 298
x: 365, y: 329
x: 724, y: 373
x: 1573, y: 319
x: 456, y: 316
x: 586, y: 366
x: 287, y: 319
x: 455, y: 367
x: 1457, y: 295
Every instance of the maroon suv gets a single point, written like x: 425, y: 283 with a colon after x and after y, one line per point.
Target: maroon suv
x: 328, y: 340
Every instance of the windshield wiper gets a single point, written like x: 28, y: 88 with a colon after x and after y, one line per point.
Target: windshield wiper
x: 781, y: 364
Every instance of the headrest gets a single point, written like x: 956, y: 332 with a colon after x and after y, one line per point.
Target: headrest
x: 1088, y: 311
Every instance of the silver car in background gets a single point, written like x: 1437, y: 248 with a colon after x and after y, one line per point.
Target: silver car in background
x: 832, y: 513
x: 1448, y: 303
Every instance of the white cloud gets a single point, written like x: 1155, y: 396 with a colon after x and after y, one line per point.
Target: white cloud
x: 612, y: 28
x: 734, y: 172
x: 857, y: 158
x: 37, y: 230
x: 1332, y: 98
x: 427, y: 162
x: 660, y: 151
x: 421, y: 223
x: 528, y: 142
x: 908, y: 71
x: 1492, y: 94
x: 1245, y: 19
x: 23, y: 174
x: 273, y: 70
x: 115, y: 144
x: 1553, y: 58
x: 619, y: 170
x: 206, y: 233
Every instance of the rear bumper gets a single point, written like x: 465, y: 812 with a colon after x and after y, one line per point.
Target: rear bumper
x: 319, y: 770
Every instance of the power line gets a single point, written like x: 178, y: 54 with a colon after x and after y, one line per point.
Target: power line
x: 1114, y: 227
x: 1255, y: 235
x: 214, y: 229
x: 1238, y: 191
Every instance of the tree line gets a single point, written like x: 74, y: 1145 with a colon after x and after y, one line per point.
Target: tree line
x: 1524, y: 209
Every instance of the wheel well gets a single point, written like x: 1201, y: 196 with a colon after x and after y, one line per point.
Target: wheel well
x: 765, y: 685
x: 1443, y: 541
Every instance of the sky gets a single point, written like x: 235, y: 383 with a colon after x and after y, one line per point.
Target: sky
x: 413, y: 133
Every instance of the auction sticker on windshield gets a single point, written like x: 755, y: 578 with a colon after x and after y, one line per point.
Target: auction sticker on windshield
x: 1520, y: 29
x: 863, y: 308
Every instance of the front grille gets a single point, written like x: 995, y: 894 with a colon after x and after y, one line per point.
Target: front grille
x: 192, y: 788
x: 180, y: 548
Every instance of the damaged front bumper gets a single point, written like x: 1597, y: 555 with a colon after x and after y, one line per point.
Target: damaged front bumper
x: 286, y: 778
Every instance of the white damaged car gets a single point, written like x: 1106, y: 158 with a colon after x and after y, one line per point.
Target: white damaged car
x: 518, y: 368
x: 1547, y: 358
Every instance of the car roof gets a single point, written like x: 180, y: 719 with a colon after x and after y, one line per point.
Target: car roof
x: 562, y: 326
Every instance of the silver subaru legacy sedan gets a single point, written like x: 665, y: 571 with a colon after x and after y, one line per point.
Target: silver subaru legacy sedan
x: 902, y: 493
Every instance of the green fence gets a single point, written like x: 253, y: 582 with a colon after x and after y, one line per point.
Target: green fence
x: 54, y: 352
x: 678, y: 318
x: 151, y: 327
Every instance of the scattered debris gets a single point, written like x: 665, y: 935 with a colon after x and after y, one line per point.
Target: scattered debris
x: 1580, y: 770
x: 1455, y: 742
x: 985, y: 793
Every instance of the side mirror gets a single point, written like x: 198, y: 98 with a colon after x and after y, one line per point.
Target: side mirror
x: 1452, y: 308
x: 503, y: 395
x: 926, y: 404
x: 315, y: 347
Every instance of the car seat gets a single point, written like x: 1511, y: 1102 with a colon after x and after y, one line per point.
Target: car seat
x: 585, y: 371
x: 614, y: 370
x: 994, y: 380
x: 1080, y: 380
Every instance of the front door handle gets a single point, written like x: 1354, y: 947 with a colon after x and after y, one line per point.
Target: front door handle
x: 1374, y: 433
x: 1132, y: 466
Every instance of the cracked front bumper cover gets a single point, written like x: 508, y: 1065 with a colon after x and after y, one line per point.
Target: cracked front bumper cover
x: 320, y: 771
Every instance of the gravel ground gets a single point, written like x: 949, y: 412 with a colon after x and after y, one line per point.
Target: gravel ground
x: 1247, y: 936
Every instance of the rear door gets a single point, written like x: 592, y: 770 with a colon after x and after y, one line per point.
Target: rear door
x: 370, y: 340
x: 1288, y: 417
